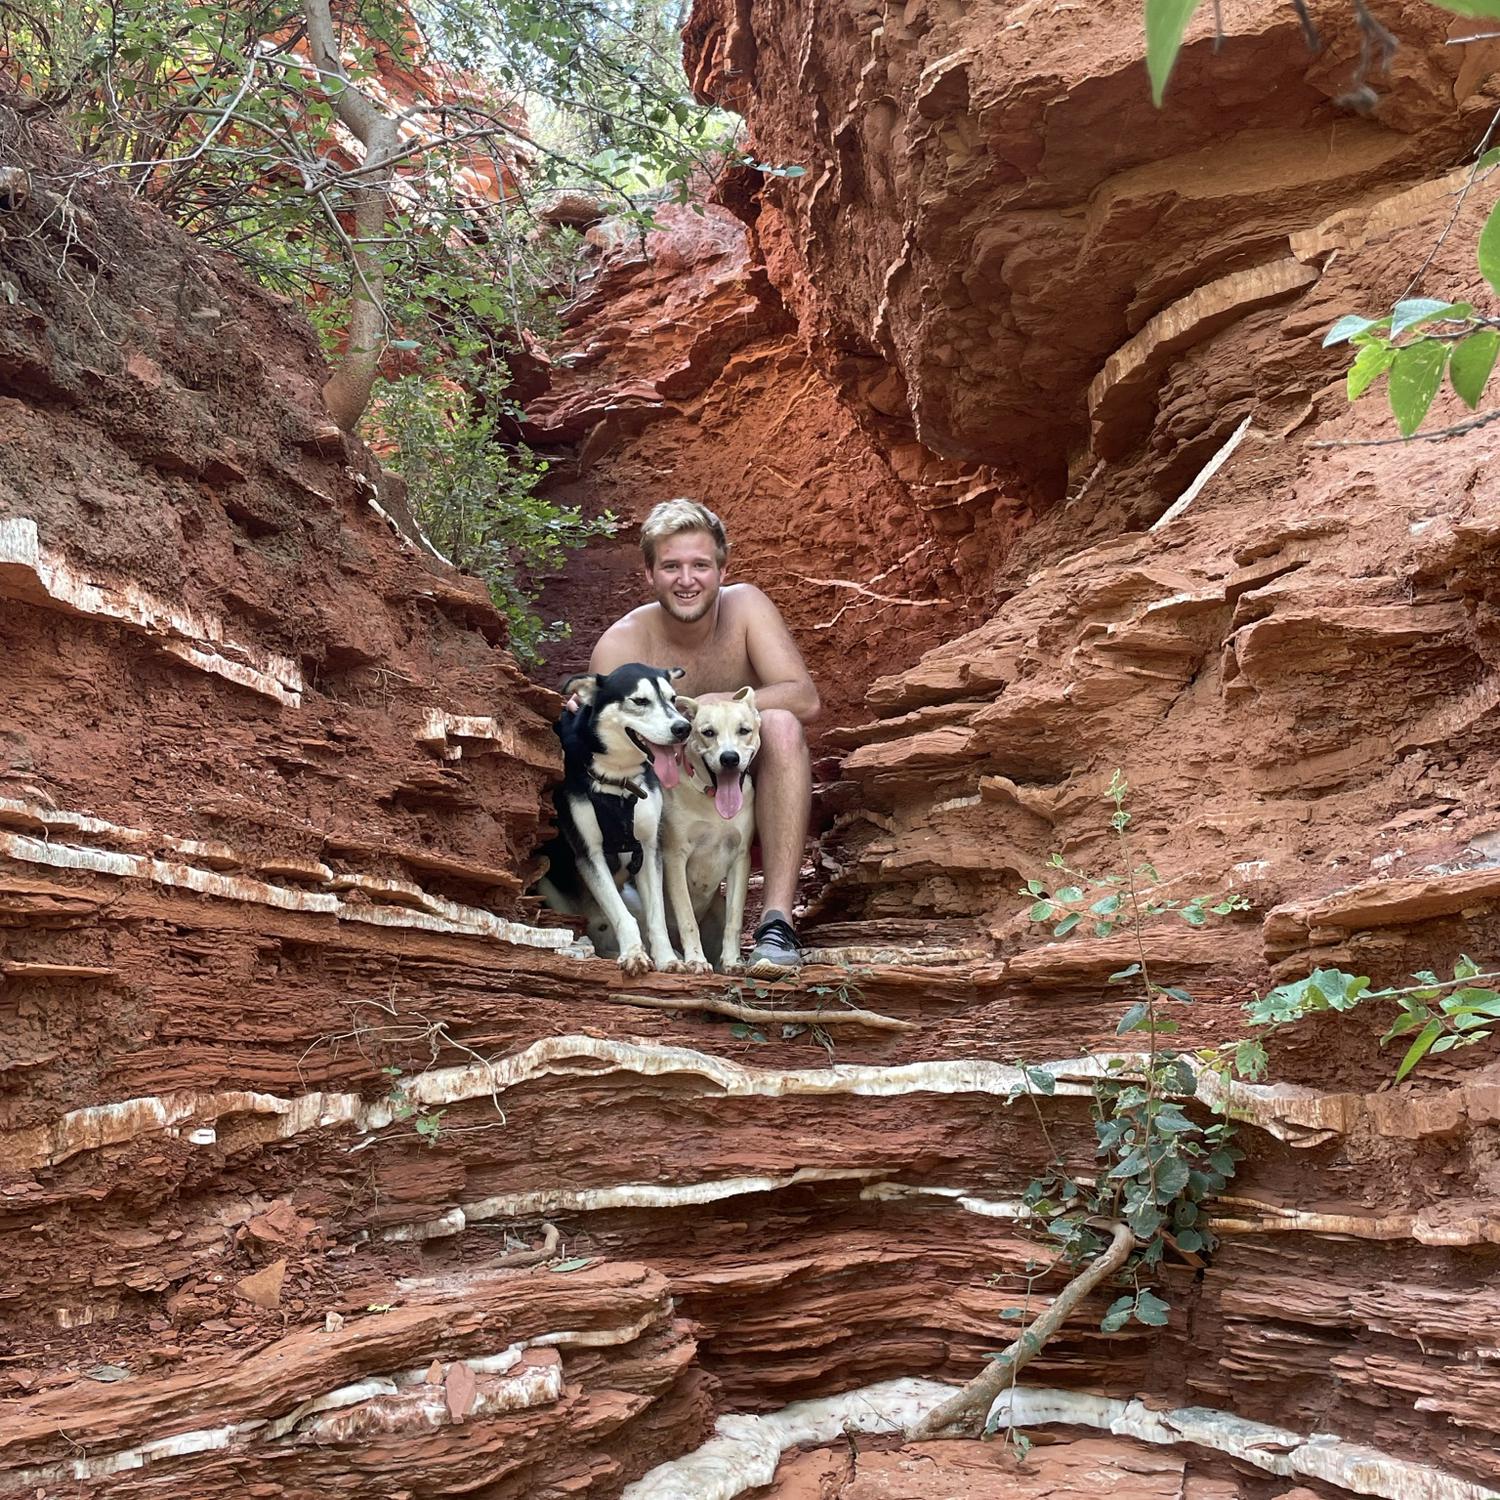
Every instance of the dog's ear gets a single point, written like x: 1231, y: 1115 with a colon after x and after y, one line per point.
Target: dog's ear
x: 688, y: 707
x: 746, y: 695
x: 675, y: 672
x: 584, y: 687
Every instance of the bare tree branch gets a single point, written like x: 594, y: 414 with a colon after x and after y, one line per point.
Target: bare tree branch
x: 966, y: 1410
x: 719, y: 1006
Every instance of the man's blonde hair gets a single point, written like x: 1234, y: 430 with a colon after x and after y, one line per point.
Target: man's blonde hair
x: 673, y: 517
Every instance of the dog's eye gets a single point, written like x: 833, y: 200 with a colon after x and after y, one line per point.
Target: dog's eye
x: 744, y: 729
x: 710, y: 734
x: 642, y: 702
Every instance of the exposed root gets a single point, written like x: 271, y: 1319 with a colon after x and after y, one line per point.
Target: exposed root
x: 533, y: 1257
x: 719, y: 1006
x: 965, y: 1412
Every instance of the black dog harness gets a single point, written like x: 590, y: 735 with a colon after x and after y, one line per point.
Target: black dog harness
x: 614, y: 799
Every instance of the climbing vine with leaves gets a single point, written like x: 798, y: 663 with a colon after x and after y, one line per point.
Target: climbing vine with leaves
x: 1163, y: 1115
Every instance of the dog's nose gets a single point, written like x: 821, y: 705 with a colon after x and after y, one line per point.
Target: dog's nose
x: 681, y: 729
x: 729, y: 759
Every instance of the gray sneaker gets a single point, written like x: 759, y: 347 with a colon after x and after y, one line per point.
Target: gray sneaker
x: 777, y: 951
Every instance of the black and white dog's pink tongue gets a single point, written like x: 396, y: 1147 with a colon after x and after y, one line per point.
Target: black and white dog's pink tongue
x: 664, y: 763
x: 728, y: 797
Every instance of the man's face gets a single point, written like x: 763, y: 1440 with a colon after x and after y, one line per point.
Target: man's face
x: 686, y: 575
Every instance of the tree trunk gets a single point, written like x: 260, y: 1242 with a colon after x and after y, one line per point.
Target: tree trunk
x: 347, y: 392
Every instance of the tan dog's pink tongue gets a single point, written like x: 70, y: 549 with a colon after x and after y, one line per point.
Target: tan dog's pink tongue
x: 664, y: 763
x: 728, y: 797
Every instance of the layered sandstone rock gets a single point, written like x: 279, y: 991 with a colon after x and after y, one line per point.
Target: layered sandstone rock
x: 324, y: 1171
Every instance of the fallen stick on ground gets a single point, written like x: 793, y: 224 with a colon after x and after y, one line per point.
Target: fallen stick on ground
x: 722, y: 1007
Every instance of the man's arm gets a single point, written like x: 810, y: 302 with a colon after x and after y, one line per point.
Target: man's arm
x: 776, y: 661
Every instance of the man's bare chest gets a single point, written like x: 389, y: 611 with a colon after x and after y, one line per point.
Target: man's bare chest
x: 719, y: 666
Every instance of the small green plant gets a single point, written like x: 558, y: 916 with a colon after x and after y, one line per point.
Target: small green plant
x: 1156, y: 1167
x: 428, y: 1123
x: 474, y: 491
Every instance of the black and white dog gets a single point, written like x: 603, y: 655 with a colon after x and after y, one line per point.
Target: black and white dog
x: 619, y: 751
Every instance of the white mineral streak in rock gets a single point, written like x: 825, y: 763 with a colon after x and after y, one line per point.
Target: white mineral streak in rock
x: 1281, y: 1110
x: 396, y: 903
x: 419, y: 542
x: 400, y: 1402
x: 424, y: 1407
x: 1206, y: 473
x: 39, y: 575
x: 1452, y: 1228
x: 988, y: 1208
x: 744, y: 1452
x: 441, y: 732
x: 595, y: 1338
x: 623, y: 1195
x: 1348, y: 1466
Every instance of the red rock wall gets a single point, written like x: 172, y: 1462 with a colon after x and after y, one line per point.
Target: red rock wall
x: 280, y: 1093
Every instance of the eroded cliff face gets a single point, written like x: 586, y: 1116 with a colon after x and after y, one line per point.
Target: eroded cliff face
x: 679, y: 371
x: 293, y: 1084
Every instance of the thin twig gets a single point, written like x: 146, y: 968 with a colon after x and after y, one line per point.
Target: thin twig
x: 859, y: 588
x: 1458, y: 206
x: 719, y: 1006
x: 1437, y: 434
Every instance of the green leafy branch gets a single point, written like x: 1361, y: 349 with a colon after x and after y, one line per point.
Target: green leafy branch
x: 1420, y: 340
x: 1156, y: 1166
x: 1444, y: 1013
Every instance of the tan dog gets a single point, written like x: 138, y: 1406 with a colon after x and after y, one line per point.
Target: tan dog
x: 708, y: 823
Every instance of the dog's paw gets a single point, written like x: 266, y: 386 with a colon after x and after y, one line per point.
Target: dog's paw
x: 635, y: 962
x: 699, y: 965
x: 675, y: 966
x: 735, y: 965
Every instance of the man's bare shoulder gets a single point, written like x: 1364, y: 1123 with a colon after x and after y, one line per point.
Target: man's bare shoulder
x: 625, y: 639
x: 744, y: 601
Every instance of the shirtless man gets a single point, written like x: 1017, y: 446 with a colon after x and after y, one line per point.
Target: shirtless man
x: 725, y: 637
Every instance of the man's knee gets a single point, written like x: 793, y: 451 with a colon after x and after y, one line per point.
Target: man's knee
x: 781, y: 734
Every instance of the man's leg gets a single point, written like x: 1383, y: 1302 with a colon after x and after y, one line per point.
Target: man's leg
x: 783, y: 803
